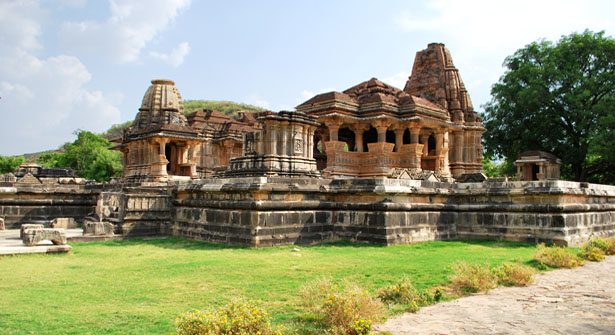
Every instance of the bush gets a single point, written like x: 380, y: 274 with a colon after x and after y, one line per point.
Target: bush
x: 512, y: 274
x: 596, y: 249
x: 556, y: 257
x: 342, y: 309
x: 472, y: 278
x: 403, y: 292
x: 237, y: 317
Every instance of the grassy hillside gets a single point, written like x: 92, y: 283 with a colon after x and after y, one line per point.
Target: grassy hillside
x: 190, y: 106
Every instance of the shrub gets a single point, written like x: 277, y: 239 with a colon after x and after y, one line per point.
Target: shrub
x: 237, y: 317
x: 597, y: 248
x: 556, y: 257
x: 403, y: 292
x: 342, y: 309
x: 513, y: 274
x: 472, y: 278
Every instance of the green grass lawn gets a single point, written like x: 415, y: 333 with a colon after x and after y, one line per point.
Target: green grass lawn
x: 141, y: 286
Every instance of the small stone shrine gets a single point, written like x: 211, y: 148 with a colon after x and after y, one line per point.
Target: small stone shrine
x: 282, y: 148
x: 538, y: 165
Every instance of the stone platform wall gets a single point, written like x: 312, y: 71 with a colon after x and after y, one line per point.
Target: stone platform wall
x: 40, y: 203
x: 265, y: 211
x: 274, y: 211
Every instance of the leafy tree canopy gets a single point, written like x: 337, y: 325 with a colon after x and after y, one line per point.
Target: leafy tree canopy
x: 88, y: 155
x: 8, y: 164
x: 560, y: 98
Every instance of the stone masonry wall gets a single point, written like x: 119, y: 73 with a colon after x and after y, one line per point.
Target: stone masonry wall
x: 276, y: 211
x: 40, y: 203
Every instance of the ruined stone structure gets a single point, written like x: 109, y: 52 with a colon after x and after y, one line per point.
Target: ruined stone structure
x: 282, y: 148
x: 538, y: 165
x: 373, y: 128
x: 371, y: 164
x: 162, y: 144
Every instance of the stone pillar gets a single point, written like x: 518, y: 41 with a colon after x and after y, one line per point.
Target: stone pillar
x: 458, y: 146
x: 158, y: 169
x: 272, y: 140
x: 439, y: 135
x: 334, y: 125
x: 310, y: 138
x: 399, y: 138
x: 284, y: 147
x: 425, y: 143
x: 381, y: 126
x: 414, y: 135
x: 358, y: 130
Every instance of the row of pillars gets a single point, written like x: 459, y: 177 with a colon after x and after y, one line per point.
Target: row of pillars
x: 382, y: 125
x: 290, y: 135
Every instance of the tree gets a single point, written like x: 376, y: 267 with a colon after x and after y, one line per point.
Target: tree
x: 8, y: 164
x: 89, y: 154
x: 558, y: 98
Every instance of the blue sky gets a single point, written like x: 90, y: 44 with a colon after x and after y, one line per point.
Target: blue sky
x: 85, y: 64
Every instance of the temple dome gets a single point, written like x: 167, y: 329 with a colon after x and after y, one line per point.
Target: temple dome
x: 162, y: 105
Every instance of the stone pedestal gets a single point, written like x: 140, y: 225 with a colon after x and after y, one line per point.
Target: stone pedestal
x: 32, y: 236
x: 415, y: 151
x: 97, y: 229
x: 380, y: 147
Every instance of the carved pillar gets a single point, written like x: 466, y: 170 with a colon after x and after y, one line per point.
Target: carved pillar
x: 439, y: 142
x: 158, y: 168
x: 414, y: 134
x: 381, y: 126
x: 272, y: 140
x: 425, y: 143
x: 284, y: 146
x: 358, y: 130
x: 399, y: 138
x: 334, y: 127
x: 310, y: 138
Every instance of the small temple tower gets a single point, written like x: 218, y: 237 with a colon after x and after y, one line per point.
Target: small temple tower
x: 160, y: 145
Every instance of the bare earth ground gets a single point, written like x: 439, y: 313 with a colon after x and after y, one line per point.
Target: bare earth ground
x: 576, y: 301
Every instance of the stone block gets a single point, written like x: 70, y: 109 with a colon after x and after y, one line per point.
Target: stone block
x: 66, y: 223
x: 33, y: 236
x: 1, y: 224
x: 29, y: 226
x: 97, y: 228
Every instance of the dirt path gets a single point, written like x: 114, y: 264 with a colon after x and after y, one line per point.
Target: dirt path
x: 577, y: 301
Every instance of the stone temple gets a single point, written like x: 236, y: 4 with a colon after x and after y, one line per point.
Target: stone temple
x: 373, y: 164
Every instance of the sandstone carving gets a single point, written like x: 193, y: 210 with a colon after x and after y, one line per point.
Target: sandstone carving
x: 97, y: 228
x: 65, y: 223
x: 33, y: 236
x: 29, y: 226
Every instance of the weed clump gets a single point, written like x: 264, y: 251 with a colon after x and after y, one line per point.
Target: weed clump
x: 597, y: 248
x: 343, y: 309
x: 472, y: 278
x: 513, y: 274
x: 556, y: 257
x: 403, y: 292
x: 237, y: 317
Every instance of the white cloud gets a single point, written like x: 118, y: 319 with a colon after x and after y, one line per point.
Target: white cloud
x: 126, y: 32
x: 43, y: 100
x: 397, y: 80
x: 307, y: 94
x: 176, y: 57
x: 481, y: 33
x: 256, y: 100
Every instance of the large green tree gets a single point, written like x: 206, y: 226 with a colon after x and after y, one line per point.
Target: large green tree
x: 89, y: 154
x: 560, y: 98
x: 8, y: 163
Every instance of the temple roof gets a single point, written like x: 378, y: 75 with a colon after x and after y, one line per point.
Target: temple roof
x: 162, y: 108
x: 372, y: 91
